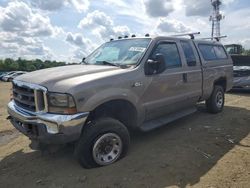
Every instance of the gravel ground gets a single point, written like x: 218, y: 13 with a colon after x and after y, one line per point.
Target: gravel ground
x: 201, y: 150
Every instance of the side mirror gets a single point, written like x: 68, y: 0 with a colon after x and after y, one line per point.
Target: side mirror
x: 155, y: 66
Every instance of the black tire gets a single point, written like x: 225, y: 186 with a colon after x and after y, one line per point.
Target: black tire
x: 213, y: 104
x: 95, y: 130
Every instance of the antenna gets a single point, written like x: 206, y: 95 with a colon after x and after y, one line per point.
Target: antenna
x: 187, y: 34
x: 216, y: 17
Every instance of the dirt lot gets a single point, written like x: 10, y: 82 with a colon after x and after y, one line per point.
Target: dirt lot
x: 201, y: 150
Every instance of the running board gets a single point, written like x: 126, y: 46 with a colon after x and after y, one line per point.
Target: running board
x: 153, y: 124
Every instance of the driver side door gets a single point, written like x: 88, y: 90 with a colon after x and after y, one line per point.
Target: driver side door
x: 166, y: 92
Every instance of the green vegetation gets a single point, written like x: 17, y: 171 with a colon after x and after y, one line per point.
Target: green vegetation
x: 27, y: 65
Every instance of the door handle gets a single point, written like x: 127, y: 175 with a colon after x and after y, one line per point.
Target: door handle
x: 184, y: 77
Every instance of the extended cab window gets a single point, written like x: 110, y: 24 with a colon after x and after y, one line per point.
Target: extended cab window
x: 220, y: 52
x: 189, y: 53
x: 207, y: 52
x: 212, y: 52
x: 170, y: 53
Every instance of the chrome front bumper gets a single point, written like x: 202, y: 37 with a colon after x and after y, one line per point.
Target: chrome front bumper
x: 48, y: 126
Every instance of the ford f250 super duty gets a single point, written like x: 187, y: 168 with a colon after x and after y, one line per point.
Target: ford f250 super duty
x: 125, y: 84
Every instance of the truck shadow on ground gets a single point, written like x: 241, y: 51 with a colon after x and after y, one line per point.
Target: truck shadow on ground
x: 178, y: 154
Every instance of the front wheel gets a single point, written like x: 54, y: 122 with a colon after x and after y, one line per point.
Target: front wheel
x: 103, y: 142
x: 215, y: 103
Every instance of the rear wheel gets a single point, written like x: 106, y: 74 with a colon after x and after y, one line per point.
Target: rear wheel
x: 216, y: 101
x: 102, y: 143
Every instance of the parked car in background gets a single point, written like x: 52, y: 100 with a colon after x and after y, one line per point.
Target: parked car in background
x: 2, y: 74
x: 10, y: 77
x: 241, y: 69
x: 241, y: 77
x: 5, y: 74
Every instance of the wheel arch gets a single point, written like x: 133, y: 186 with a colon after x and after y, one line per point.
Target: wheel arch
x: 222, y: 81
x: 120, y: 109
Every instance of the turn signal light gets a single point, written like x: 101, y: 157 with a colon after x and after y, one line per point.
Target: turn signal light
x: 70, y: 111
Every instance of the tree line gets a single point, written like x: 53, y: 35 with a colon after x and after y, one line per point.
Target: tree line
x: 9, y: 64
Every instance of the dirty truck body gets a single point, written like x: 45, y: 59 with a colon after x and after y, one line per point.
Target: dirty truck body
x: 151, y: 82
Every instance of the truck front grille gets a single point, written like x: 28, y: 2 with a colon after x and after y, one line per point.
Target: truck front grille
x: 29, y: 98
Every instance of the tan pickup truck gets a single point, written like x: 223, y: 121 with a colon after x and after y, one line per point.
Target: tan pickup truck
x: 124, y: 85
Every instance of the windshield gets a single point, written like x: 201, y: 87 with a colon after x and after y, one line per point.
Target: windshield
x: 119, y: 52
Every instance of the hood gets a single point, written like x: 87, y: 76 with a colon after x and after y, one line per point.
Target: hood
x: 52, y: 75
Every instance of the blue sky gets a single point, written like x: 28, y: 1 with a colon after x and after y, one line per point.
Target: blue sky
x: 67, y: 30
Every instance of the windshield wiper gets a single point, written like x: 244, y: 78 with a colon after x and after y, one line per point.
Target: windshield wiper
x: 108, y: 63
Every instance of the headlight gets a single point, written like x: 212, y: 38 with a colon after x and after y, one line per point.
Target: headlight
x: 61, y: 103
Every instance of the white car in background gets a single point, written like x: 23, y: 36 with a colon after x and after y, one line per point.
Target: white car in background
x: 10, y: 77
x: 5, y: 74
x: 241, y: 77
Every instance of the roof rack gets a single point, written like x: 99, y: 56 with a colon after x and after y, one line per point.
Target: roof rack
x: 187, y: 34
x: 216, y: 38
